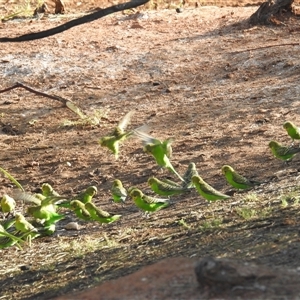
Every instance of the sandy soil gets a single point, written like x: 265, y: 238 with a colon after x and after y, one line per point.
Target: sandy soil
x: 220, y: 88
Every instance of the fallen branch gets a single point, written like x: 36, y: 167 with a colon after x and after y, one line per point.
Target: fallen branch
x: 21, y: 85
x: 85, y: 19
x: 264, y: 47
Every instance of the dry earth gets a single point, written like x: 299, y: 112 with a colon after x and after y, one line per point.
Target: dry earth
x: 222, y: 89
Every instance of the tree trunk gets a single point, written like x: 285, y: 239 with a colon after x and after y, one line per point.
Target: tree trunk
x: 269, y: 12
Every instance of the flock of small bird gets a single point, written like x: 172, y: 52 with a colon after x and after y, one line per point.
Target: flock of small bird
x: 46, y: 208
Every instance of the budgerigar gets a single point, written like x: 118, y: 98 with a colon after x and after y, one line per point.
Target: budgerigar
x: 24, y: 226
x: 283, y: 152
x: 100, y: 215
x: 45, y: 213
x: 87, y: 195
x: 147, y: 203
x: 190, y: 172
x: 8, y: 204
x: 112, y: 142
x: 45, y: 208
x: 48, y: 191
x: 80, y: 211
x: 292, y: 130
x: 118, y: 191
x: 207, y: 191
x: 160, y: 150
x: 236, y: 180
x: 165, y: 189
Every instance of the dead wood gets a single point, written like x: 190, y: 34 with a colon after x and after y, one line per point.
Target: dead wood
x: 270, y: 12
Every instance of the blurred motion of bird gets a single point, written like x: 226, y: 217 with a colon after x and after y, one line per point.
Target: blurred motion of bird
x: 161, y: 151
x: 112, y: 142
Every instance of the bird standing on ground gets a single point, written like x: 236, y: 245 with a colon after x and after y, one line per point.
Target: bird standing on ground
x: 165, y: 189
x: 236, y: 180
x: 292, y: 130
x: 283, y: 152
x: 24, y: 226
x: 99, y: 215
x: 118, y: 191
x: 207, y: 191
x: 8, y: 204
x: 80, y: 211
x: 147, y: 203
x: 190, y: 172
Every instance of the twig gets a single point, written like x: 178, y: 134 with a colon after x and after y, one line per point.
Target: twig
x: 18, y: 84
x: 264, y: 47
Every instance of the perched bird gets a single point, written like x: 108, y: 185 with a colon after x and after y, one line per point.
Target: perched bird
x: 119, y: 193
x: 80, y: 211
x: 147, y: 203
x: 112, y: 142
x: 24, y: 226
x: 283, y: 152
x: 236, y: 180
x: 292, y: 130
x: 207, y: 191
x: 190, y: 172
x: 8, y: 205
x: 100, y: 215
x: 165, y: 189
x: 47, y: 190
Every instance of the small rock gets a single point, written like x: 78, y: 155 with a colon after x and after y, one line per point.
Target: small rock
x: 72, y: 226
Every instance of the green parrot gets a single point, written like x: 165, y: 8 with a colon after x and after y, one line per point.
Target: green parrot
x: 292, y: 130
x: 100, y: 215
x: 282, y: 152
x: 112, y: 142
x: 87, y: 195
x: 80, y: 211
x: 165, y: 189
x: 119, y: 193
x: 207, y: 191
x: 45, y: 208
x: 48, y: 191
x: 190, y: 172
x: 84, y: 197
x: 147, y: 203
x: 8, y: 204
x: 45, y: 213
x: 24, y: 226
x: 170, y: 182
x: 161, y: 151
x: 236, y: 180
